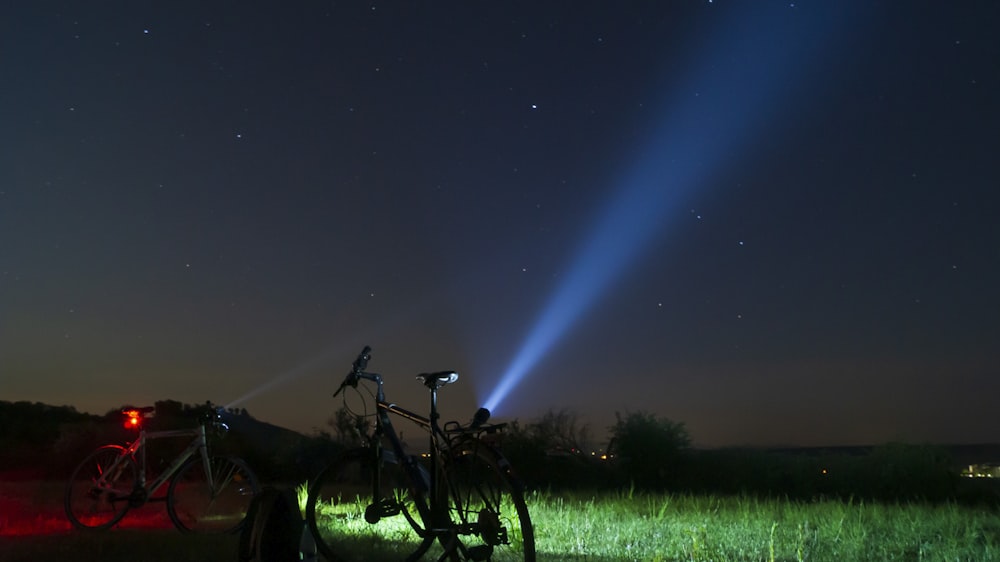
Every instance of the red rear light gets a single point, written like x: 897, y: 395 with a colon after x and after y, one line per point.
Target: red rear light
x: 132, y: 419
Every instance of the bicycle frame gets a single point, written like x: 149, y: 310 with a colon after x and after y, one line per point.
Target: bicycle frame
x: 433, y: 514
x: 199, y: 445
x: 207, y: 494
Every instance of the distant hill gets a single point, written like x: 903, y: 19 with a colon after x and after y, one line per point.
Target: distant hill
x: 265, y: 435
x: 27, y: 426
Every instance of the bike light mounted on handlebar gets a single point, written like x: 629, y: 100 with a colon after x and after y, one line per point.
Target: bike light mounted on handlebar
x: 213, y: 418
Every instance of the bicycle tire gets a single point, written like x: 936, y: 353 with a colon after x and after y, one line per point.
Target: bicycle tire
x: 194, y: 506
x: 95, y: 503
x: 342, y: 495
x: 486, y: 503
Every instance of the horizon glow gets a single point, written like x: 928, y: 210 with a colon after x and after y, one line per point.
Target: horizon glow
x: 711, y: 118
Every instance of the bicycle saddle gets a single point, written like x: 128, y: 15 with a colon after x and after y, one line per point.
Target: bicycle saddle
x: 437, y: 380
x: 142, y: 411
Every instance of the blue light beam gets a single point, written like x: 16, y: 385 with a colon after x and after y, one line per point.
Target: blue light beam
x: 756, y: 63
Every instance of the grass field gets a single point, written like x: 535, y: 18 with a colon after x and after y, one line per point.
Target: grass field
x: 33, y: 528
x: 707, y: 528
x: 575, y: 527
x: 662, y: 527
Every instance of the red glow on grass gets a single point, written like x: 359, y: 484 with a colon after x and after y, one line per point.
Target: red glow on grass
x: 22, y: 523
x: 34, y: 507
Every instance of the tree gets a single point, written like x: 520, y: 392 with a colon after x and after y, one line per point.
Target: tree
x: 560, y: 431
x: 649, y: 449
x: 348, y: 427
x: 549, y: 452
x: 169, y: 408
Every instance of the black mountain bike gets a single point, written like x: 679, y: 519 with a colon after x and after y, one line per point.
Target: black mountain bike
x: 459, y: 502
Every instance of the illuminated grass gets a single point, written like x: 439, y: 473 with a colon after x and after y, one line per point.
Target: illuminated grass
x: 602, y: 528
x: 704, y: 528
x: 343, y: 522
x: 580, y: 527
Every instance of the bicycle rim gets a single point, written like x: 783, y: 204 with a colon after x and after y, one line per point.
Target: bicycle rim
x: 350, y: 524
x: 98, y: 491
x: 195, y: 506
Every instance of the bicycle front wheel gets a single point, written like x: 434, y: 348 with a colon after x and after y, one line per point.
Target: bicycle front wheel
x: 487, y: 505
x: 195, y: 505
x: 352, y: 518
x: 97, y: 494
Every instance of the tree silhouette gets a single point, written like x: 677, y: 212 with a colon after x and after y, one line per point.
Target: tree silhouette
x: 347, y: 426
x: 649, y: 448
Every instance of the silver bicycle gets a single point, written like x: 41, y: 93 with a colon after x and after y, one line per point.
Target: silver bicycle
x: 206, y: 493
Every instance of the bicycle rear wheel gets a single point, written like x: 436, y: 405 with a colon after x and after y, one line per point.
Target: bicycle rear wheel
x: 195, y: 506
x: 350, y: 522
x: 97, y: 494
x: 486, y: 502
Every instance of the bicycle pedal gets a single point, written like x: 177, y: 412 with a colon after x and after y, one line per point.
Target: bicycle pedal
x: 377, y: 511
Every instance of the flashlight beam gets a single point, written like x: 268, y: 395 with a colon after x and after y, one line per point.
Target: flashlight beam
x: 745, y: 78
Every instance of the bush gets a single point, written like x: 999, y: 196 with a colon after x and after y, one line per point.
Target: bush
x: 550, y: 453
x: 650, y: 450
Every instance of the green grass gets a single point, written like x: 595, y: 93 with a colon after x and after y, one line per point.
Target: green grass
x: 586, y: 527
x: 664, y: 527
x: 709, y: 528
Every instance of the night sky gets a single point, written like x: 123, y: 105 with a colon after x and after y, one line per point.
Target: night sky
x: 776, y: 222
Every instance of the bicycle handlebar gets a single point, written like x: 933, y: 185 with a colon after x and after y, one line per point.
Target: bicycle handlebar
x: 357, y: 370
x: 213, y: 417
x: 361, y: 363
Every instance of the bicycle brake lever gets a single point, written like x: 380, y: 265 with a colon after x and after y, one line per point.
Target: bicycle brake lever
x: 358, y: 367
x: 350, y: 380
x: 340, y: 388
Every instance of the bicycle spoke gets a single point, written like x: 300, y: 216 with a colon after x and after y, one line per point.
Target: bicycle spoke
x: 97, y: 494
x: 348, y: 523
x: 194, y: 505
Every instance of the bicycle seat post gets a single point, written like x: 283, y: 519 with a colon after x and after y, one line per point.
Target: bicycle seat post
x: 140, y: 481
x: 439, y: 519
x: 434, y: 413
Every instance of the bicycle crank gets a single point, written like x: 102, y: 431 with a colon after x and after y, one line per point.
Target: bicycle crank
x: 490, y: 529
x: 384, y: 508
x: 138, y: 497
